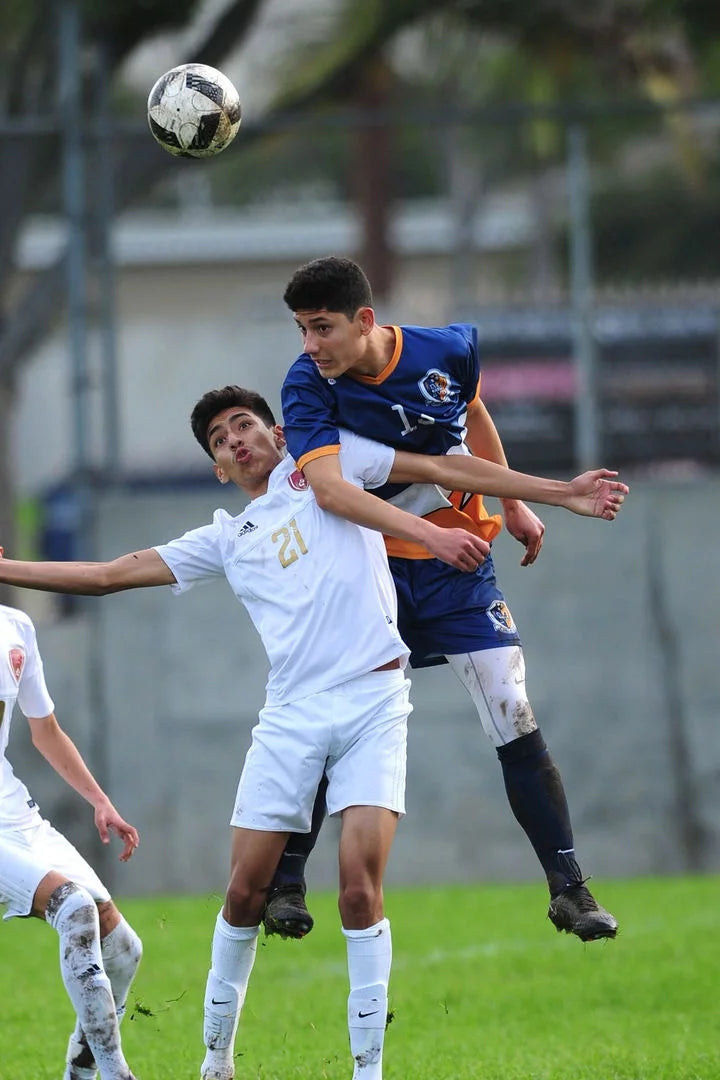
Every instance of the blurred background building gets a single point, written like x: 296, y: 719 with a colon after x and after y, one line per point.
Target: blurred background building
x: 551, y: 175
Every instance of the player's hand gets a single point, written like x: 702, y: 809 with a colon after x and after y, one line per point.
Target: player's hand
x: 458, y: 547
x: 525, y: 526
x: 596, y: 494
x: 107, y: 820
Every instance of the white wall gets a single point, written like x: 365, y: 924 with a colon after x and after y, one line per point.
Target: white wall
x: 178, y: 683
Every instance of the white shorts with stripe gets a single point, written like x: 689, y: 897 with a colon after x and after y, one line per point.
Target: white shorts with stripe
x: 28, y: 854
x: 355, y: 732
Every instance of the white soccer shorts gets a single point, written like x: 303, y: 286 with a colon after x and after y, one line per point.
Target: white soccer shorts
x: 28, y: 854
x: 355, y: 732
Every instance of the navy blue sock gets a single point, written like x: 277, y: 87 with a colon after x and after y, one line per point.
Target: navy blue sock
x: 291, y: 868
x: 535, y: 791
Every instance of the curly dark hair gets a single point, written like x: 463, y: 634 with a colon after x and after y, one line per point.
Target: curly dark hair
x: 333, y: 283
x: 215, y: 401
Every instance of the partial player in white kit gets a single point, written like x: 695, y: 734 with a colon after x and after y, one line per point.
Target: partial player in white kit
x: 319, y: 591
x: 42, y: 874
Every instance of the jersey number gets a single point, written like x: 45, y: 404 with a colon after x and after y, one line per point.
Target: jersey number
x: 291, y: 542
x: 407, y: 426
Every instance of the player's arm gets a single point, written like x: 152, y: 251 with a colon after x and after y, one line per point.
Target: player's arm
x: 520, y: 521
x: 61, y: 753
x: 137, y: 570
x: 592, y: 494
x: 335, y: 494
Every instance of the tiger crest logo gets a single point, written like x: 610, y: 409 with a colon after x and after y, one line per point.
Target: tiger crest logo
x: 438, y: 388
x: 499, y: 615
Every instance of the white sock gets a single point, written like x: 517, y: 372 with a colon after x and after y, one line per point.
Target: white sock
x: 121, y: 952
x: 79, y: 1060
x: 233, y: 956
x: 369, y: 954
x: 72, y: 912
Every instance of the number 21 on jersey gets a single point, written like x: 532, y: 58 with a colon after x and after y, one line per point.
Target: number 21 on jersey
x: 291, y: 542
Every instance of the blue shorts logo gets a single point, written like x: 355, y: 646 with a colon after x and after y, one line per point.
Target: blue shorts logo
x: 438, y: 388
x: 499, y: 615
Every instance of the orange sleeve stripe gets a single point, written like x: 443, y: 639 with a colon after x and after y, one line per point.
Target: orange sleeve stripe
x: 312, y: 455
x: 477, y: 394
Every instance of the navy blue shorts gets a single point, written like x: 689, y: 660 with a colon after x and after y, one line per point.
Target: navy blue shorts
x: 443, y: 612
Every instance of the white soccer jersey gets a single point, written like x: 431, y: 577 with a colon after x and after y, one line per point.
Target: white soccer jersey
x: 21, y: 680
x: 317, y: 587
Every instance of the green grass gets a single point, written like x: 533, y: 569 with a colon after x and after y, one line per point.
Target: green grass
x: 482, y: 987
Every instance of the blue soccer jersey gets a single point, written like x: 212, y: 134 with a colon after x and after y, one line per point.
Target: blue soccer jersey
x: 418, y: 402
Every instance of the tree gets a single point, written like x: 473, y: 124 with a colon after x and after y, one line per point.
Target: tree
x: 29, y: 165
x: 651, y: 46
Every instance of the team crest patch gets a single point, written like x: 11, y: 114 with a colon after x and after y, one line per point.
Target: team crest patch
x: 438, y: 388
x: 297, y: 481
x: 499, y: 615
x: 17, y: 662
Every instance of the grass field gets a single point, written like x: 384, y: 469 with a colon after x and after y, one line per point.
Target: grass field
x: 482, y: 987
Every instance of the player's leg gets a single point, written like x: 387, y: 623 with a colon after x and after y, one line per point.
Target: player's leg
x: 121, y: 951
x: 274, y: 797
x: 445, y: 614
x: 366, y: 773
x: 366, y: 839
x: 286, y: 912
x: 495, y: 679
x: 43, y: 875
x: 72, y: 912
x: 254, y: 856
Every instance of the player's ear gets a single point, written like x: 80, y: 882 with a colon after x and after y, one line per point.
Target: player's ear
x: 279, y: 435
x: 220, y: 474
x: 366, y: 319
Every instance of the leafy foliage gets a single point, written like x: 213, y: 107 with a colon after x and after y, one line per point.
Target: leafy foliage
x: 658, y: 231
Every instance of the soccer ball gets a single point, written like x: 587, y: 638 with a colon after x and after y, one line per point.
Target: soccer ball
x: 194, y: 111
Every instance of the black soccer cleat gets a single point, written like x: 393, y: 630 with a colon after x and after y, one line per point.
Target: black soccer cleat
x: 576, y: 911
x: 286, y: 912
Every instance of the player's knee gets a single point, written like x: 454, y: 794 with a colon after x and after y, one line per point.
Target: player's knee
x: 517, y: 720
x: 359, y: 903
x: 244, y: 903
x: 121, y: 941
x: 133, y: 944
x: 109, y: 916
x: 72, y: 906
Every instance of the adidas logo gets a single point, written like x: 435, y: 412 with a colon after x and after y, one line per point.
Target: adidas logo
x: 248, y: 527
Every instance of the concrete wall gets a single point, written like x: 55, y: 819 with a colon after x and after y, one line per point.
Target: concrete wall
x: 621, y: 628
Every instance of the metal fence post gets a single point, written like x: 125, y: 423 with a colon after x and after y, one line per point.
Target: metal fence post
x: 587, y: 419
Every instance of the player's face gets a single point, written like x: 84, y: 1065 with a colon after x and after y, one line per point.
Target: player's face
x: 245, y: 449
x: 334, y: 342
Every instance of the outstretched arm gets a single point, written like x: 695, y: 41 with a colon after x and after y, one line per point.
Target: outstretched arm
x: 592, y: 494
x: 137, y: 570
x: 455, y: 546
x: 61, y: 752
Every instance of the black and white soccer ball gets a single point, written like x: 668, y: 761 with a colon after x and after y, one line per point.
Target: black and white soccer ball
x: 194, y: 111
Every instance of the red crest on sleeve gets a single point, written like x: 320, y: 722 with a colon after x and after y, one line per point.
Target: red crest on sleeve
x: 297, y: 481
x: 17, y: 662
